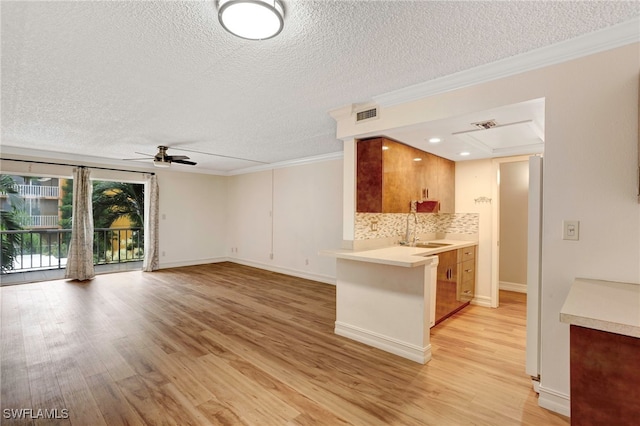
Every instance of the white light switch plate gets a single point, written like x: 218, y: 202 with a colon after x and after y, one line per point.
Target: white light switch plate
x: 571, y: 230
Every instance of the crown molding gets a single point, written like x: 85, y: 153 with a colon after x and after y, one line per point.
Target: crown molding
x: 289, y: 163
x: 599, y: 41
x: 86, y: 160
x: 15, y: 152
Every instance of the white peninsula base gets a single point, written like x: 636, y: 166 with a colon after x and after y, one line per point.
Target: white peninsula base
x: 388, y: 306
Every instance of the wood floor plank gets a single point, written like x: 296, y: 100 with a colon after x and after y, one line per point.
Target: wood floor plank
x: 227, y: 344
x: 140, y: 396
x: 77, y: 396
x: 113, y: 405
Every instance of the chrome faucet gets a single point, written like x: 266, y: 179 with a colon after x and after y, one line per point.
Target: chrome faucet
x: 407, y: 238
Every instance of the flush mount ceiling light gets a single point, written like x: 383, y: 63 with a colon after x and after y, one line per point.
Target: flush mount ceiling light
x: 435, y: 140
x: 251, y: 19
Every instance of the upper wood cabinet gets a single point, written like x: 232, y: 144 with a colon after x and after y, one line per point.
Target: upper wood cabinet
x: 389, y: 177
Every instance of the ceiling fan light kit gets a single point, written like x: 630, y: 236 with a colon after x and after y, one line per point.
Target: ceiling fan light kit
x: 251, y: 19
x: 162, y: 164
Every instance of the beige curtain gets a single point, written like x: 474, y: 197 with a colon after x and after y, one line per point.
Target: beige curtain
x: 151, y: 212
x: 80, y: 257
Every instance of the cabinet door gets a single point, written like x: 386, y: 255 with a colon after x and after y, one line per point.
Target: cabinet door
x: 446, y: 185
x: 426, y: 176
x: 398, y: 180
x: 369, y: 176
x: 447, y: 266
x: 447, y: 284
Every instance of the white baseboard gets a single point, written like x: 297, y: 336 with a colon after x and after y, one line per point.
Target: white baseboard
x: 403, y: 349
x: 554, y: 401
x: 166, y: 265
x: 517, y: 287
x: 482, y: 301
x: 287, y: 271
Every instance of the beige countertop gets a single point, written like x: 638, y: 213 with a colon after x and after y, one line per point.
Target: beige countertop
x: 398, y: 255
x: 608, y: 306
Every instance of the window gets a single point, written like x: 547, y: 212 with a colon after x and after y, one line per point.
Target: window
x: 37, y: 219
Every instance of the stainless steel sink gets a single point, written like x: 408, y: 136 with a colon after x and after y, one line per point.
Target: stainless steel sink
x: 432, y: 245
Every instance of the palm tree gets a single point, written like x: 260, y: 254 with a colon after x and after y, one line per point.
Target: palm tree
x: 113, y: 200
x: 110, y: 201
x: 9, y: 222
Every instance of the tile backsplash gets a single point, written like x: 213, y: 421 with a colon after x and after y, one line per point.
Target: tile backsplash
x: 385, y: 225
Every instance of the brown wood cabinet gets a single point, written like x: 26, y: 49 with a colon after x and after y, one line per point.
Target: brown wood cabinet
x: 605, y: 374
x: 388, y: 177
x: 456, y: 281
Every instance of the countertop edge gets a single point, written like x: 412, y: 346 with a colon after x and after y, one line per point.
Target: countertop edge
x: 403, y: 256
x: 578, y: 308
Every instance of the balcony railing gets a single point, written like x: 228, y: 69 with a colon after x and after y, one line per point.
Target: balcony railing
x: 38, y: 191
x: 41, y: 221
x: 48, y: 249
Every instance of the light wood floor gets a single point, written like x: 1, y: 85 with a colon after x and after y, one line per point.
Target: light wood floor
x: 228, y: 344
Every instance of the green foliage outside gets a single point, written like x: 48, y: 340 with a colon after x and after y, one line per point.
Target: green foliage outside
x: 9, y: 221
x: 111, y: 201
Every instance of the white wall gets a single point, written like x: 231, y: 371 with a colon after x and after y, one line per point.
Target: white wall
x: 249, y: 223
x: 514, y: 200
x: 590, y: 174
x: 474, y: 179
x: 306, y: 204
x: 192, y: 218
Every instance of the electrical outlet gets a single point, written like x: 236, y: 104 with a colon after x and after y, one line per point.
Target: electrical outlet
x: 306, y: 261
x: 571, y: 230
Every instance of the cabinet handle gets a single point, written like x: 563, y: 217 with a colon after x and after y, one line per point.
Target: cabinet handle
x: 467, y: 291
x: 468, y: 270
x: 467, y: 252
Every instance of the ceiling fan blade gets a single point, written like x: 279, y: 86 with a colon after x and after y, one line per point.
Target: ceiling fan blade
x: 177, y: 157
x: 190, y: 163
x: 144, y: 153
x: 223, y: 156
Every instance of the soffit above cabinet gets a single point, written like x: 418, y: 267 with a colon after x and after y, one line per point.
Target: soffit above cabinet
x: 516, y: 129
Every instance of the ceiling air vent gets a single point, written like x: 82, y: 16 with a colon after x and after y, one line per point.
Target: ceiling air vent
x: 485, y: 124
x: 367, y: 114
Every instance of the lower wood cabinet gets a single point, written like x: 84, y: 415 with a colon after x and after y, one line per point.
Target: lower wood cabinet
x: 605, y: 378
x: 456, y: 281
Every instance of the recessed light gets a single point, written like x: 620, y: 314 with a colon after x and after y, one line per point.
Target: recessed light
x: 417, y: 159
x: 465, y: 153
x: 435, y: 140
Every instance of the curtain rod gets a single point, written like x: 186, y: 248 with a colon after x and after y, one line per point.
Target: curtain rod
x: 75, y: 165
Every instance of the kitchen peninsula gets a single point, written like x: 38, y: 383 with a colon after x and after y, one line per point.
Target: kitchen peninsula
x: 386, y: 297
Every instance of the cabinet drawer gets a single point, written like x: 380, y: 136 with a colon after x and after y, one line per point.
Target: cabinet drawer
x: 466, y: 253
x: 468, y: 270
x: 466, y: 291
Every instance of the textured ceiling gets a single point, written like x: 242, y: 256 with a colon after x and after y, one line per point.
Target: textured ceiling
x: 110, y: 79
